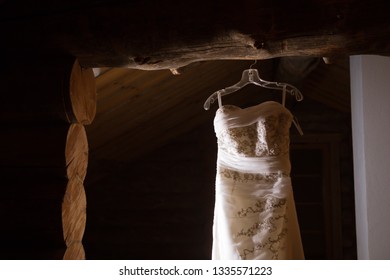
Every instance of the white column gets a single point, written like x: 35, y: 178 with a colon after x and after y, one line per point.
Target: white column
x: 370, y: 90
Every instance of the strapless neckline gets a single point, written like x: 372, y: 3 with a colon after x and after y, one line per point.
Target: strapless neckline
x: 263, y: 105
x: 256, y: 131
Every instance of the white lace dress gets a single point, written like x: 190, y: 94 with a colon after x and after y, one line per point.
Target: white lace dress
x: 254, y: 216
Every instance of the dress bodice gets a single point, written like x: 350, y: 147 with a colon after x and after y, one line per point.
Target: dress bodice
x: 257, y: 131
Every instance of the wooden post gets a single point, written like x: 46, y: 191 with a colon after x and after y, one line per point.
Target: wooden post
x: 74, y: 205
x: 39, y: 168
x: 74, y: 218
x: 44, y: 157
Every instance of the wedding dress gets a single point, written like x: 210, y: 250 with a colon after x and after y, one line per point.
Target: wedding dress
x: 254, y: 215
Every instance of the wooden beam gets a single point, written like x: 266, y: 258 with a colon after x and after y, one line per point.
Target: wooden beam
x: 153, y: 35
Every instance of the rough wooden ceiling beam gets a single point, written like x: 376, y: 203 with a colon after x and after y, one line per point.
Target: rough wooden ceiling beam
x: 163, y: 35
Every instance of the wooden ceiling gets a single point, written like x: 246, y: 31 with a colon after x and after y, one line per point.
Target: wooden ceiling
x: 138, y: 110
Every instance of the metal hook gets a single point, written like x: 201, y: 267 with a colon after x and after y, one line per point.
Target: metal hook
x: 250, y: 67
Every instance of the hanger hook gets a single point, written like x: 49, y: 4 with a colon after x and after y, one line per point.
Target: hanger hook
x: 250, y: 67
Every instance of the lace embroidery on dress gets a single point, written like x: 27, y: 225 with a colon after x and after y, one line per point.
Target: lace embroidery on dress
x: 267, y: 137
x: 241, y: 177
x: 269, y: 232
x: 273, y: 244
x: 268, y: 224
x: 269, y: 204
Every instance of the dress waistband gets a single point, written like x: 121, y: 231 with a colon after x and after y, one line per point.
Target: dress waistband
x: 267, y: 164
